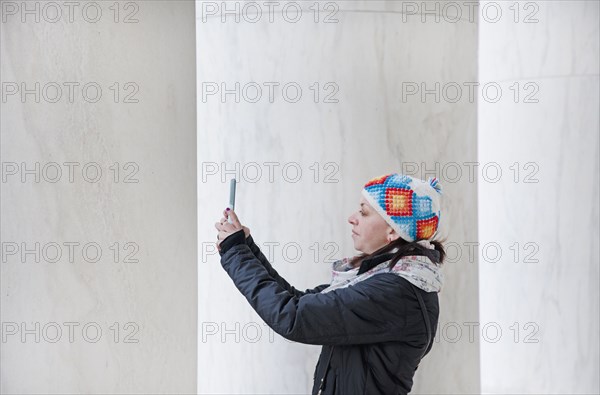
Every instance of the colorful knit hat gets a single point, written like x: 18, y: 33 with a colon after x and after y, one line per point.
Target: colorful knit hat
x: 410, y: 205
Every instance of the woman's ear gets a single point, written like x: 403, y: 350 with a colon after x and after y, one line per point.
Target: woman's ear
x: 392, y: 235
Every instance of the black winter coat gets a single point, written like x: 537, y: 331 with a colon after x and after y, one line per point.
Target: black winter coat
x: 373, y: 333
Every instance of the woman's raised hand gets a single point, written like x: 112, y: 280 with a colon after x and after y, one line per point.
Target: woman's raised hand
x: 227, y: 229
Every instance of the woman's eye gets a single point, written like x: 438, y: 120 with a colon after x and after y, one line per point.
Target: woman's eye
x: 361, y: 213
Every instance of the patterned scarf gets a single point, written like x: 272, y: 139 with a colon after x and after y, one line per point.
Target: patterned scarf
x: 417, y: 269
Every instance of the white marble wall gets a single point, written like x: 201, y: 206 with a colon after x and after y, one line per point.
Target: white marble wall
x: 157, y: 353
x: 365, y: 57
x: 368, y: 54
x: 550, y: 289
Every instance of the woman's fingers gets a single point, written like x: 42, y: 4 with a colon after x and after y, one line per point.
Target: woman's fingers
x: 234, y: 218
x: 225, y: 228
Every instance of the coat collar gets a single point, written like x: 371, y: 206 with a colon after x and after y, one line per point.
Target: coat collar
x: 371, y: 262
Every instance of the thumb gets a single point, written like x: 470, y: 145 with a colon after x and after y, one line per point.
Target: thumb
x: 234, y: 218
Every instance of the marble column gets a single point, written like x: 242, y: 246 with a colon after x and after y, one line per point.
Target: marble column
x: 303, y: 107
x: 98, y: 197
x: 538, y: 216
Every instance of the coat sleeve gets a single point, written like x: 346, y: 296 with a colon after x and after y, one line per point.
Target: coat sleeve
x: 236, y: 239
x: 273, y: 273
x: 371, y: 311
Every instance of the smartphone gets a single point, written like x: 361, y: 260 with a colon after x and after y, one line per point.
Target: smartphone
x: 231, y: 204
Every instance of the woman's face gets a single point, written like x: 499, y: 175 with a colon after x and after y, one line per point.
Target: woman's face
x: 370, y: 231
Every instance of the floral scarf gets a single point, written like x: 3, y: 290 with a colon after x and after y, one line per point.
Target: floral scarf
x: 417, y: 269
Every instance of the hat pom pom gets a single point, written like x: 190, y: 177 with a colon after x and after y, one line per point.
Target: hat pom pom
x: 433, y: 181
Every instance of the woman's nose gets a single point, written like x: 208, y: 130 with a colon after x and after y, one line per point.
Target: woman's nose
x: 351, y: 219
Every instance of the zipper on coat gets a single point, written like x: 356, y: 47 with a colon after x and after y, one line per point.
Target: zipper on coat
x: 325, y: 373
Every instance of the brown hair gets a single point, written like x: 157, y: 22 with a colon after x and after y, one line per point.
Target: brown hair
x: 406, y: 248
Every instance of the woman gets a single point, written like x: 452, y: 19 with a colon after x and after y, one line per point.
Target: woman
x: 378, y: 317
